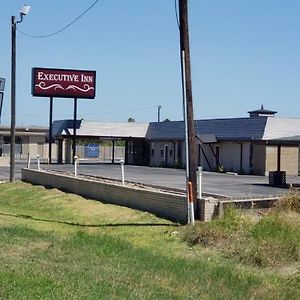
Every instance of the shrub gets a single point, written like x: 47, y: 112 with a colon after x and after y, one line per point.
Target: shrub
x: 203, y: 234
x: 272, y: 241
x: 289, y: 202
x: 220, y: 169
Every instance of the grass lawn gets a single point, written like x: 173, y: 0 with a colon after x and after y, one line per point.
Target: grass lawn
x: 55, y: 245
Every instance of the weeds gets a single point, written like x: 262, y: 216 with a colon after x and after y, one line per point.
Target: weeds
x: 271, y: 241
x: 289, y: 202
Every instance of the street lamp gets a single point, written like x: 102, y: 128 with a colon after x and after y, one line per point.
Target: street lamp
x: 24, y: 11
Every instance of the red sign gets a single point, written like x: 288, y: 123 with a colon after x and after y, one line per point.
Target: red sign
x: 63, y: 83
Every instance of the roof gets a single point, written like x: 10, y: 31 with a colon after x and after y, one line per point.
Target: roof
x: 100, y: 129
x: 262, y: 111
x: 284, y: 129
x: 220, y: 129
x: 233, y: 128
x: 206, y: 138
x: 211, y: 130
x: 25, y: 131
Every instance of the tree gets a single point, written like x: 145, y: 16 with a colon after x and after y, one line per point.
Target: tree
x: 131, y: 119
x: 167, y: 120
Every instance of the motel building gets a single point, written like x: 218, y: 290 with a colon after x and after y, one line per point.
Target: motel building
x: 256, y: 144
x: 31, y: 140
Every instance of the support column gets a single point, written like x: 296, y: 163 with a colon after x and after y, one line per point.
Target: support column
x: 50, y: 131
x: 278, y: 157
x: 113, y: 152
x: 74, y: 131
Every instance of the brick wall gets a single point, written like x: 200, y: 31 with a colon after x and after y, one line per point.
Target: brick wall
x: 288, y: 160
x: 208, y: 208
x: 166, y: 205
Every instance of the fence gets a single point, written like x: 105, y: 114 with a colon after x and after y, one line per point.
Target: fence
x: 18, y: 151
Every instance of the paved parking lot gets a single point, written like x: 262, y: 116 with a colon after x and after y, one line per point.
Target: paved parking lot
x: 224, y: 184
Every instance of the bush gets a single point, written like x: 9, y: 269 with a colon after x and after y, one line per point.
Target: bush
x: 220, y: 169
x: 178, y: 164
x: 289, y: 202
x: 203, y: 234
x: 272, y: 241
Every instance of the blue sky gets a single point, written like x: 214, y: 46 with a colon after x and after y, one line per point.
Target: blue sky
x: 244, y: 53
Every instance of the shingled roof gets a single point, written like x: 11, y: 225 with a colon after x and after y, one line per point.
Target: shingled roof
x: 222, y: 129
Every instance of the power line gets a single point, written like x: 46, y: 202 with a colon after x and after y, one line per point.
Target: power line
x: 89, y: 114
x: 63, y: 28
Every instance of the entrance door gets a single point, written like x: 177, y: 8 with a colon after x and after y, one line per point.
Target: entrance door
x: 166, y: 154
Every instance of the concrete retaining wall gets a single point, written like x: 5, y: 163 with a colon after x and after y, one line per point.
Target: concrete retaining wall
x: 166, y: 205
x: 246, y: 204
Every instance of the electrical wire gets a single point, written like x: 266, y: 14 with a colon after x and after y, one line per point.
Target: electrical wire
x: 63, y: 28
x: 89, y: 114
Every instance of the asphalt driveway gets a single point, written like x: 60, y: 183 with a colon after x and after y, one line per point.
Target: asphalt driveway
x: 215, y: 183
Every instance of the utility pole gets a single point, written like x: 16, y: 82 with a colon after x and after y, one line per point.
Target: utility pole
x: 13, y: 100
x: 24, y: 11
x: 186, y: 69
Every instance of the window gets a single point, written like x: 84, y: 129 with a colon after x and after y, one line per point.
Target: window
x: 130, y: 147
x: 171, y: 152
x: 161, y: 152
x: 152, y: 151
x: 18, y: 140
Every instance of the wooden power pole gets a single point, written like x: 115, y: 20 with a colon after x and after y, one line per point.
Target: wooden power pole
x: 185, y: 52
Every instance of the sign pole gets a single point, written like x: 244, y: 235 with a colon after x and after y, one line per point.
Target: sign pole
x: 50, y: 130
x: 1, y: 103
x: 74, y: 130
x: 63, y: 83
x: 2, y: 85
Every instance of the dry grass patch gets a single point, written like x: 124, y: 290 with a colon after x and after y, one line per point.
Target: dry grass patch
x: 272, y: 241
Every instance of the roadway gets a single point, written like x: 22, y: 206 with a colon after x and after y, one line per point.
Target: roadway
x: 214, y: 183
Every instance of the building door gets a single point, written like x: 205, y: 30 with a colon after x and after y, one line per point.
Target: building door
x: 166, y: 154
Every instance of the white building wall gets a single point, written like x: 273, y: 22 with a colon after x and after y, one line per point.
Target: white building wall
x: 36, y: 146
x: 54, y: 148
x: 163, y: 153
x: 230, y: 156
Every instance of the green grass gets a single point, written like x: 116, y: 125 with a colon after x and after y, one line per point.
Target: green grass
x: 123, y: 254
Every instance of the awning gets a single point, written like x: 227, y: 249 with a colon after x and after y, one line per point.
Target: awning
x: 206, y: 138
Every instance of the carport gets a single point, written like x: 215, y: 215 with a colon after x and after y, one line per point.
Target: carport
x: 88, y: 132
